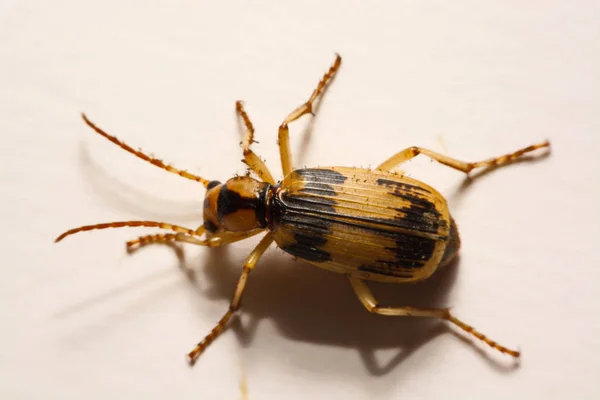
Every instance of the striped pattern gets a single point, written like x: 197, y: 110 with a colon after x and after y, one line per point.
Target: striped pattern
x: 371, y: 224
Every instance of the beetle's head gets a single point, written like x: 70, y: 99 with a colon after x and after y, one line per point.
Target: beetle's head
x: 236, y: 205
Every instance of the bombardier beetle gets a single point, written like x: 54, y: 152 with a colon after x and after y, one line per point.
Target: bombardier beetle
x: 365, y: 224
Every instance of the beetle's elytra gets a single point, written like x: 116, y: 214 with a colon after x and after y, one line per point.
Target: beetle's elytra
x: 369, y: 225
x: 401, y: 229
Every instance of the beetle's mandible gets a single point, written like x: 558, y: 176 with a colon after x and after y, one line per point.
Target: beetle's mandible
x: 366, y: 224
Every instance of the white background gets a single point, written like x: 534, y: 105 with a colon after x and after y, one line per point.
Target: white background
x: 81, y: 319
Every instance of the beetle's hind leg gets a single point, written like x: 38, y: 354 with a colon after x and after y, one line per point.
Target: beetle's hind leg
x: 306, y: 108
x: 249, y: 265
x: 463, y: 166
x: 250, y: 158
x: 366, y: 297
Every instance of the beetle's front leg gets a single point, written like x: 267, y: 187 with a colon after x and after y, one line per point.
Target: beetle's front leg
x: 250, y: 158
x: 249, y: 265
x: 366, y: 297
x: 306, y: 108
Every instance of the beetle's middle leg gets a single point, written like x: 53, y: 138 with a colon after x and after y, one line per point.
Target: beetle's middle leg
x: 215, y: 240
x: 306, y: 108
x: 463, y: 166
x: 367, y: 299
x: 250, y: 158
x: 249, y: 265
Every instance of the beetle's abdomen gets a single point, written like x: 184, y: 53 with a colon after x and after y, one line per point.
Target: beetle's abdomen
x: 375, y: 225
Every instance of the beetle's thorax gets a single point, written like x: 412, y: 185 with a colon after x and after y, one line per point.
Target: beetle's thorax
x: 237, y: 205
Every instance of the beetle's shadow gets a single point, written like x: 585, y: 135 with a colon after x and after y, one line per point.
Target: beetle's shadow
x: 125, y: 197
x: 308, y: 304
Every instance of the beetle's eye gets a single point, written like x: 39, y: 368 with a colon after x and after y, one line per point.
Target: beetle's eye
x: 212, y: 184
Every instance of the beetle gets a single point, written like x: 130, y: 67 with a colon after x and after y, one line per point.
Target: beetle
x: 366, y: 224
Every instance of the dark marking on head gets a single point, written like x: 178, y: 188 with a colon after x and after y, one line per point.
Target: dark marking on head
x: 230, y: 201
x: 212, y: 184
x: 239, y: 204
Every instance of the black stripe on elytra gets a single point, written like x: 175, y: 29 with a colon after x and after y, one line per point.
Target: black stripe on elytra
x: 422, y: 212
x: 401, y: 263
x: 416, y: 201
x: 410, y: 247
x: 375, y: 269
x: 410, y: 251
x: 322, y: 175
x: 317, y: 192
x: 312, y: 219
x: 417, y: 219
x: 421, y: 215
x: 310, y: 231
x: 403, y: 191
x: 309, y: 201
x: 302, y: 205
x: 401, y: 186
x: 308, y: 248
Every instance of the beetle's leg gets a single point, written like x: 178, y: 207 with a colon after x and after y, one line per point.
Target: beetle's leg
x: 219, y: 239
x: 216, y: 240
x: 249, y: 265
x: 250, y: 158
x: 306, y: 108
x: 143, y: 156
x: 463, y: 166
x: 143, y: 241
x: 366, y: 297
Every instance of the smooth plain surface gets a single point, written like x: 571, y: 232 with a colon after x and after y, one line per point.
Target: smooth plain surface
x: 471, y: 79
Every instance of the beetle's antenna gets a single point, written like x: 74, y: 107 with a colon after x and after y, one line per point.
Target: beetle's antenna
x: 140, y: 154
x: 122, y: 224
